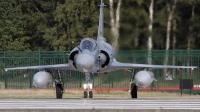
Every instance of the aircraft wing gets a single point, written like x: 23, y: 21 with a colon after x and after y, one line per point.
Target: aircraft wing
x: 117, y: 65
x: 56, y: 66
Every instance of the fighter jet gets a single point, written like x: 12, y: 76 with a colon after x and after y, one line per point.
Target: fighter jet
x: 94, y: 56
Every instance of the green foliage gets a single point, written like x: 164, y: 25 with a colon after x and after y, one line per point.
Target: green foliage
x: 12, y: 27
x: 133, y: 25
x: 39, y: 18
x: 55, y: 24
x: 74, y: 20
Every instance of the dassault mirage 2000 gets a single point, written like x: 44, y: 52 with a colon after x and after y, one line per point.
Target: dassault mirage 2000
x: 94, y: 56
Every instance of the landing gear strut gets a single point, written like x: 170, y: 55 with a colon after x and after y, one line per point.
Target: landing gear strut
x: 88, y: 86
x: 132, y: 87
x: 59, y: 86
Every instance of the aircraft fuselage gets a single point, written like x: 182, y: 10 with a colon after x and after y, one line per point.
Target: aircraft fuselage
x: 92, y: 56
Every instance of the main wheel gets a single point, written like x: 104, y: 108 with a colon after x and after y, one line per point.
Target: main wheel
x: 58, y: 91
x: 90, y: 94
x: 85, y: 94
x: 134, y: 91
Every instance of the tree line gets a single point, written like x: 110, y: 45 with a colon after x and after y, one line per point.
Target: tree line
x: 28, y: 25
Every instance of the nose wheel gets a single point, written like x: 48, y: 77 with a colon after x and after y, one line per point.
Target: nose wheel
x: 85, y: 94
x: 88, y: 95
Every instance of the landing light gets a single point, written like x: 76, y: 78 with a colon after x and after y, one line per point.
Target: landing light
x: 87, y: 85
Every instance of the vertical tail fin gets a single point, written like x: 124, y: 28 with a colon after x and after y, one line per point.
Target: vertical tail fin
x: 100, y: 35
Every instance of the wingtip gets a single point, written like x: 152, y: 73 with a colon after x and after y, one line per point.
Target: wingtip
x: 5, y: 69
x: 193, y: 67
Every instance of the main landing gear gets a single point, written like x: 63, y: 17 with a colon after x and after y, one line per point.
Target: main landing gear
x: 59, y: 86
x: 88, y: 86
x: 132, y: 87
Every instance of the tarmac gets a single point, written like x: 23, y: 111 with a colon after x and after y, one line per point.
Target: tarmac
x: 101, y: 104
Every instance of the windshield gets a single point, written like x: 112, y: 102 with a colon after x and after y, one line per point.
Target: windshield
x: 88, y: 44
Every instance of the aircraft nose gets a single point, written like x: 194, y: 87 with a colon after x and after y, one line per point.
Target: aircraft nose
x: 85, y: 62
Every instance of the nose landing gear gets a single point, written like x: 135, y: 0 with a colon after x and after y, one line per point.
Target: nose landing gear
x: 88, y: 86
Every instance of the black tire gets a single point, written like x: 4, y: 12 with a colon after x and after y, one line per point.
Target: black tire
x: 58, y: 91
x: 90, y: 94
x: 134, y: 91
x: 85, y: 94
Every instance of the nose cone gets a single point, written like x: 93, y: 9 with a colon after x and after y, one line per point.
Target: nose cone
x: 143, y: 79
x: 85, y: 62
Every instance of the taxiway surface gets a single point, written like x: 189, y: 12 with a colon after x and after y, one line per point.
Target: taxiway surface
x: 102, y: 103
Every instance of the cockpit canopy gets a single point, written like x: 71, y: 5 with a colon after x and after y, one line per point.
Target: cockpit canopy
x: 89, y: 44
